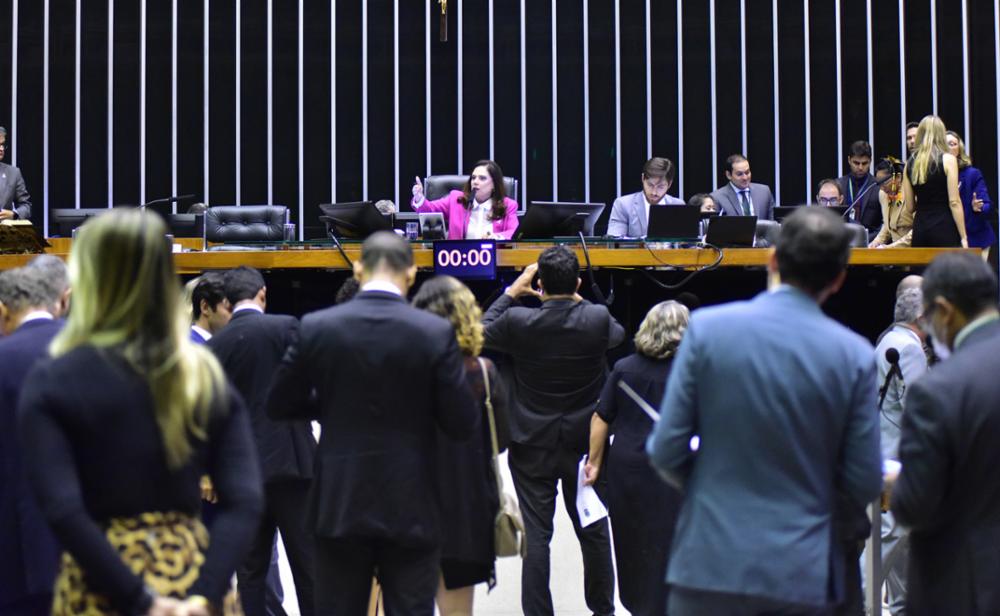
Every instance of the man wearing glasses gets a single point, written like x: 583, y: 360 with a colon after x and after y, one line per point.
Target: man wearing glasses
x: 15, y: 203
x: 630, y: 213
x: 828, y: 194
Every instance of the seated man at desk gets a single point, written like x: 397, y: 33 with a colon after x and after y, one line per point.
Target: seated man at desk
x: 741, y: 197
x: 630, y: 213
x: 14, y: 200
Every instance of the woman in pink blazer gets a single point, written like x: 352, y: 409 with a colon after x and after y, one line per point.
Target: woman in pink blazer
x: 480, y: 210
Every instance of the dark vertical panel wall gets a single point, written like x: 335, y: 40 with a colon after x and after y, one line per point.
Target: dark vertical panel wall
x: 62, y: 122
x: 345, y: 111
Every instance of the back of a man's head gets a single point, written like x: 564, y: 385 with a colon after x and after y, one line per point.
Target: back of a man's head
x: 387, y: 253
x: 962, y: 278
x: 210, y: 287
x: 558, y: 270
x: 242, y: 283
x: 24, y: 289
x: 909, y: 306
x: 812, y: 249
x: 54, y: 275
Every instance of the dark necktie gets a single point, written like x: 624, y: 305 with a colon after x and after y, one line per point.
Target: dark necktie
x: 745, y: 203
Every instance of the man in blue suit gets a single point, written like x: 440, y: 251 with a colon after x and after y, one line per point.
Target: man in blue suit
x: 630, y: 213
x: 210, y: 310
x: 783, y: 401
x: 31, y: 300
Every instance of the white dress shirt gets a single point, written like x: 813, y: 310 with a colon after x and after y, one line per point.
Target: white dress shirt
x: 383, y: 286
x: 479, y: 221
x: 739, y: 204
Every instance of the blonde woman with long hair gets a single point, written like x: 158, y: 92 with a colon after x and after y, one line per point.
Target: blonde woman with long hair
x: 120, y: 424
x: 641, y: 506
x: 469, y: 494
x: 930, y: 189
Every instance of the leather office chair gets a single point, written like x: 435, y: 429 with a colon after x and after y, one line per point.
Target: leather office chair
x: 245, y: 223
x: 437, y: 186
x: 767, y: 233
x: 859, y: 235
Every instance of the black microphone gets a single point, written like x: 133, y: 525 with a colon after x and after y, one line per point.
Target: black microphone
x: 891, y: 356
x: 864, y: 192
x: 166, y: 200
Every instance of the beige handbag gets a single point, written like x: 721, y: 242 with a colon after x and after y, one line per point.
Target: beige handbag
x: 508, y: 526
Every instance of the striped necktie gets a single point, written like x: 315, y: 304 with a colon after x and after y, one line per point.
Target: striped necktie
x: 745, y: 203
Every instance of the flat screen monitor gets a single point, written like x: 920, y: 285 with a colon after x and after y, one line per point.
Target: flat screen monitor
x: 732, y: 231
x: 546, y: 220
x: 356, y: 220
x: 187, y: 225
x: 64, y: 220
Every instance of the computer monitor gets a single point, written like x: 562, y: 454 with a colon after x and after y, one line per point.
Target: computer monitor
x: 64, y: 220
x: 546, y: 220
x: 355, y: 220
x: 187, y: 225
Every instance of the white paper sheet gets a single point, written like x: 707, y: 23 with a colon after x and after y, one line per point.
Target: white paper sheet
x: 588, y: 505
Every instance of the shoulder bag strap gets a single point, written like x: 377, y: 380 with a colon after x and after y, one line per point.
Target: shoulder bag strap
x: 493, y: 426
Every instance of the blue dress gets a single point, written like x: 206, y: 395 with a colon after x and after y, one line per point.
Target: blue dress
x: 977, y: 224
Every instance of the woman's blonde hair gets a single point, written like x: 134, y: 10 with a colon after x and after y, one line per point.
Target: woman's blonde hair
x: 931, y: 146
x: 447, y: 297
x: 127, y: 299
x: 964, y: 160
x: 661, y: 331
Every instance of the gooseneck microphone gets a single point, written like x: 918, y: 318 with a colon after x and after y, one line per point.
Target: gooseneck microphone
x: 864, y: 192
x: 891, y: 356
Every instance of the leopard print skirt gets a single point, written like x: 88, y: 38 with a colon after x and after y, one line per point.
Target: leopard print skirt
x: 165, y: 548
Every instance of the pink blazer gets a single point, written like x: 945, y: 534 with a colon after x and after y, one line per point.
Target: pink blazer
x: 458, y: 216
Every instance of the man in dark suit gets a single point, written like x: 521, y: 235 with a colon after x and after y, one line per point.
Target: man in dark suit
x: 30, y: 305
x: 948, y: 492
x: 558, y: 353
x: 210, y: 310
x: 15, y: 202
x: 859, y: 185
x: 380, y: 376
x: 789, y: 439
x: 741, y: 197
x: 250, y: 349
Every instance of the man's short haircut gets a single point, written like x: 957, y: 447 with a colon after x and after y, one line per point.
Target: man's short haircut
x: 386, y: 250
x: 910, y: 125
x: 831, y: 182
x: 210, y: 287
x: 812, y: 248
x: 558, y: 270
x: 963, y: 279
x: 54, y: 274
x: 22, y: 289
x: 242, y: 283
x: 659, y: 168
x: 3, y: 131
x: 909, y: 306
x: 859, y: 149
x: 732, y: 160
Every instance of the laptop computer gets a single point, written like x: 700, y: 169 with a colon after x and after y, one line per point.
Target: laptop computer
x: 732, y: 231
x: 675, y: 222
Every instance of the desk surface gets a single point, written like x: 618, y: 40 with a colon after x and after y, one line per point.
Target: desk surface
x: 516, y: 256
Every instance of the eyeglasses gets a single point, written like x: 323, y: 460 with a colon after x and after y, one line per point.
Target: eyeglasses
x: 828, y: 202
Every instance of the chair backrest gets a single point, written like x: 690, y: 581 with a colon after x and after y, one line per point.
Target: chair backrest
x: 859, y: 235
x: 767, y: 233
x: 437, y: 186
x: 245, y: 223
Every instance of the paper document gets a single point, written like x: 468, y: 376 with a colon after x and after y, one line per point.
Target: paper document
x: 588, y: 505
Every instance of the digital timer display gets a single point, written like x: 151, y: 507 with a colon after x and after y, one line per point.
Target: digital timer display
x: 466, y: 259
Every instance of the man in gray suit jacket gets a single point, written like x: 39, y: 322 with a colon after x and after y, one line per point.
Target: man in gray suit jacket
x: 740, y: 196
x: 630, y: 213
x: 787, y: 428
x: 14, y: 199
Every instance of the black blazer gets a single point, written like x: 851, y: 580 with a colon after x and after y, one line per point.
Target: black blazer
x: 380, y: 376
x: 30, y: 553
x: 869, y: 209
x: 559, y: 366
x: 250, y: 348
x: 949, y: 490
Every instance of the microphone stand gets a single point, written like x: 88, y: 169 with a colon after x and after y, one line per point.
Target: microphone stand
x: 863, y: 193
